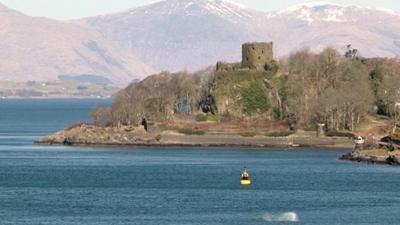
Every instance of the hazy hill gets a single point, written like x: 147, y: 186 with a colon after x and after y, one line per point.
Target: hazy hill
x: 41, y: 49
x: 178, y: 34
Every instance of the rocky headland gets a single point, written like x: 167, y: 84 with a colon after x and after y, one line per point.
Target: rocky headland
x: 92, y: 135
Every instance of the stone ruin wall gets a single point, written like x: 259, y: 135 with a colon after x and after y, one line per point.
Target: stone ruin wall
x: 222, y: 66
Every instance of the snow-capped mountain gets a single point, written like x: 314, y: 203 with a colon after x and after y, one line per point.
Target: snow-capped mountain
x: 331, y: 12
x: 182, y: 34
x: 191, y: 34
x: 375, y: 32
x: 223, y: 8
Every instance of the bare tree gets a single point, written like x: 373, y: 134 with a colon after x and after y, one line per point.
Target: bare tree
x: 101, y: 115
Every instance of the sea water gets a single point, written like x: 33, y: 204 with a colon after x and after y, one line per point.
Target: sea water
x: 177, y: 186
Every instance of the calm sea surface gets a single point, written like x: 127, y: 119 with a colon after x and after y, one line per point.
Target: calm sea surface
x: 96, y: 186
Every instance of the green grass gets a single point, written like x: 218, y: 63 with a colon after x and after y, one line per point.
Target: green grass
x: 254, y: 98
x: 228, y: 88
x: 189, y: 131
x: 279, y: 134
x: 186, y: 131
x: 213, y: 118
x: 248, y: 134
x: 208, y: 117
x: 201, y: 118
x: 309, y: 129
x: 164, y: 127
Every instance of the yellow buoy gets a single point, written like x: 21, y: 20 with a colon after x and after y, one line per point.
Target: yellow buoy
x: 245, y: 182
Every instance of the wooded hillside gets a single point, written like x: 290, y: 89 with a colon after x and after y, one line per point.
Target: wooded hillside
x: 304, y: 89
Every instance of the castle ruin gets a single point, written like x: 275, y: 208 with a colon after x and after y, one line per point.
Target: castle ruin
x: 255, y: 56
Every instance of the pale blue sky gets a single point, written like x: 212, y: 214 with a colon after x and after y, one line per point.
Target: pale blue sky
x: 71, y: 9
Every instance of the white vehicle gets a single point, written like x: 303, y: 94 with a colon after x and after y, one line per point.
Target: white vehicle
x: 360, y: 140
x: 359, y: 143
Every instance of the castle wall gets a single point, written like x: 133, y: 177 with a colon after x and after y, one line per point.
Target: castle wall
x: 257, y: 55
x: 221, y: 66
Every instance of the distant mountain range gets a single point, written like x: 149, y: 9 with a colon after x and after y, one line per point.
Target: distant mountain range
x: 182, y: 34
x: 40, y: 49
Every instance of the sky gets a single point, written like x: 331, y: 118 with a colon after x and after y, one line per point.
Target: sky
x: 73, y: 9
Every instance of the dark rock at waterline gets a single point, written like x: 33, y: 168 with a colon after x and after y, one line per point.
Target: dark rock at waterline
x: 379, y: 156
x: 393, y: 160
x: 346, y: 156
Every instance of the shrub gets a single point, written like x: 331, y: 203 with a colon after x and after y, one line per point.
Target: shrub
x: 309, y: 129
x: 189, y: 131
x: 254, y: 97
x: 272, y: 69
x: 248, y: 134
x: 102, y: 115
x: 158, y: 137
x: 164, y: 127
x: 213, y: 118
x: 279, y: 134
x: 209, y: 117
x: 201, y: 118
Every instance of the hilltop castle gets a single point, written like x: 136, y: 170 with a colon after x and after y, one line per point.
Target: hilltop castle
x: 255, y: 56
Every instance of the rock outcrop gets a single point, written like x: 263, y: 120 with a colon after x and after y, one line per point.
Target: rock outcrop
x: 97, y: 135
x: 377, y: 156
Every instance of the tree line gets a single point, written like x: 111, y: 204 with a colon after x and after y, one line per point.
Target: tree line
x: 340, y: 91
x: 309, y: 88
x: 157, y: 98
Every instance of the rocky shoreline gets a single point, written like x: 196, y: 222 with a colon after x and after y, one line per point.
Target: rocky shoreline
x: 90, y: 135
x: 375, y: 156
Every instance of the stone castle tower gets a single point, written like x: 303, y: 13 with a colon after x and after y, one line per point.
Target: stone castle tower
x: 257, y: 55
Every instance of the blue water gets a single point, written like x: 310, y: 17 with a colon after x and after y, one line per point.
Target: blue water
x: 147, y: 186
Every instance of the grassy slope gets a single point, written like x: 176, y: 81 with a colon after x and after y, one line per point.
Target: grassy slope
x: 242, y: 92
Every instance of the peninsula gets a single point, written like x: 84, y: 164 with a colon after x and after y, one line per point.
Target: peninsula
x: 306, y: 99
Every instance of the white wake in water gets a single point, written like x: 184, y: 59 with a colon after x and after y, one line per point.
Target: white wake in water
x: 283, y: 217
